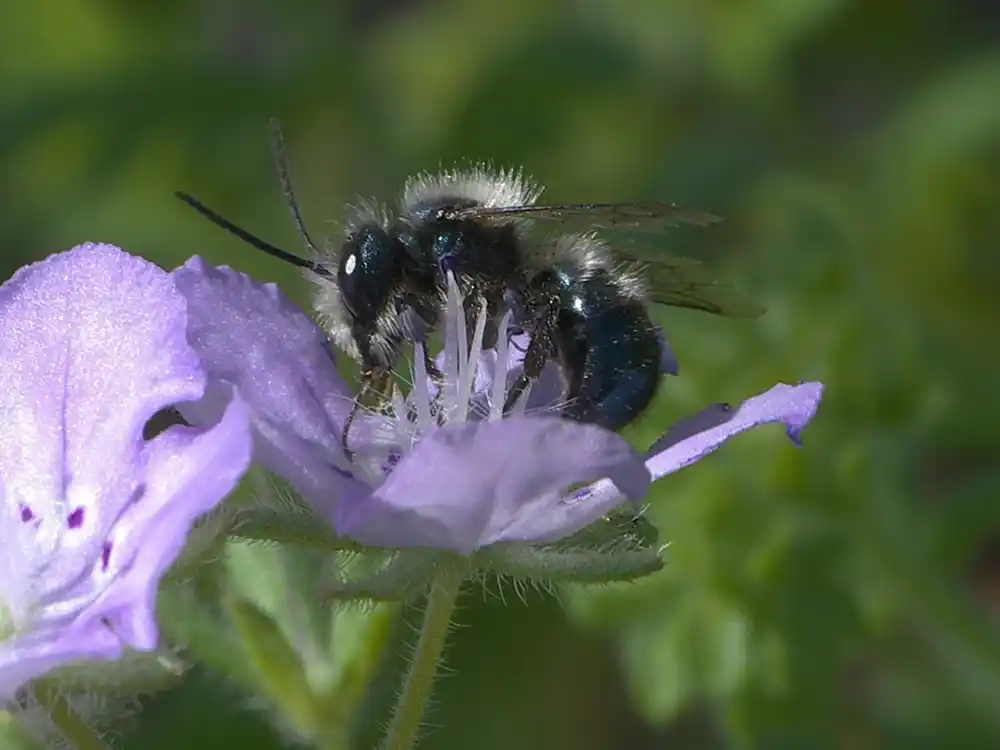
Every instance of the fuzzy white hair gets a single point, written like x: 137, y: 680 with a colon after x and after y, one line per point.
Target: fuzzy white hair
x: 481, y: 183
x: 587, y: 253
x: 328, y: 300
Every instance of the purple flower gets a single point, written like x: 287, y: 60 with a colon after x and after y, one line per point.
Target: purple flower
x: 449, y: 472
x: 92, y: 345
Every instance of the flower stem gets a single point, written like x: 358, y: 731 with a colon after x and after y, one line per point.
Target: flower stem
x: 69, y: 723
x: 420, y: 678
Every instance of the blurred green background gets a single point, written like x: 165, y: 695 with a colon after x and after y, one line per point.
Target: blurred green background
x: 844, y: 595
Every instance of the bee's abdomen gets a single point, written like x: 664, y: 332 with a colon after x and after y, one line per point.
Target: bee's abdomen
x: 610, y: 352
x: 619, y: 376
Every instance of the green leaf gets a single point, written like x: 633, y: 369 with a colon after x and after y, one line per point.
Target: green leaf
x: 700, y: 650
x: 357, y: 641
x: 295, y: 524
x: 13, y: 735
x: 76, y: 730
x: 204, y: 543
x: 524, y: 562
x: 135, y: 673
x: 620, y: 547
x: 197, y: 624
x: 280, y: 673
x: 381, y: 576
x: 281, y: 581
x: 330, y: 650
x: 620, y: 528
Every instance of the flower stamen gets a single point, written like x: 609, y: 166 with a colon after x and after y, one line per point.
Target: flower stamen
x: 454, y: 335
x: 421, y: 393
x: 499, y: 386
x: 471, y: 361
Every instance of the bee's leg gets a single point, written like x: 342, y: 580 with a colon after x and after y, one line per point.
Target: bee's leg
x: 348, y: 454
x: 534, y: 362
x: 540, y: 350
x: 485, y: 300
x: 421, y: 321
x: 491, y: 332
x: 435, y: 375
x: 471, y: 307
x: 433, y: 371
x: 370, y: 380
x: 366, y: 382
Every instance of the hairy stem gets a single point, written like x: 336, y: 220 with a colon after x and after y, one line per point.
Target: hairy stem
x: 420, y: 678
x: 69, y: 723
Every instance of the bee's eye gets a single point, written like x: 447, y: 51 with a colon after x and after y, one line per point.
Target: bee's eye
x: 368, y: 271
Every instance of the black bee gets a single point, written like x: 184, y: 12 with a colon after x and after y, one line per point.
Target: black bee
x: 585, y: 308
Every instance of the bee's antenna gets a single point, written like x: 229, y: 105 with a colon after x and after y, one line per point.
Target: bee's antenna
x: 252, y: 240
x: 285, y: 175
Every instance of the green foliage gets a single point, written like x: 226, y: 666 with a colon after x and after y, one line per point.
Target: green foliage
x: 841, y: 594
x: 14, y: 735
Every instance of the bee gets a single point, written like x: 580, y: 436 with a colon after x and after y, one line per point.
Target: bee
x: 585, y: 304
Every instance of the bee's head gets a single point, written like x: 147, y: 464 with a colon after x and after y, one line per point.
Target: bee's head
x: 358, y: 301
x: 369, y: 269
x: 370, y: 274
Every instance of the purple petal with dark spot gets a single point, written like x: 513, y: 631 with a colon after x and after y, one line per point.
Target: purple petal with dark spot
x: 92, y: 345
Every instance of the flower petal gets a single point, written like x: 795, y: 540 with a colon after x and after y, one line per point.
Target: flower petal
x: 91, y: 346
x: 710, y: 416
x: 188, y: 471
x: 697, y: 436
x: 22, y: 660
x: 465, y: 485
x: 252, y: 338
x: 792, y: 405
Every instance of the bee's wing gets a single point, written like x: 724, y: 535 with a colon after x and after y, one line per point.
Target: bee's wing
x: 685, y: 282
x: 645, y: 216
x: 678, y: 282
